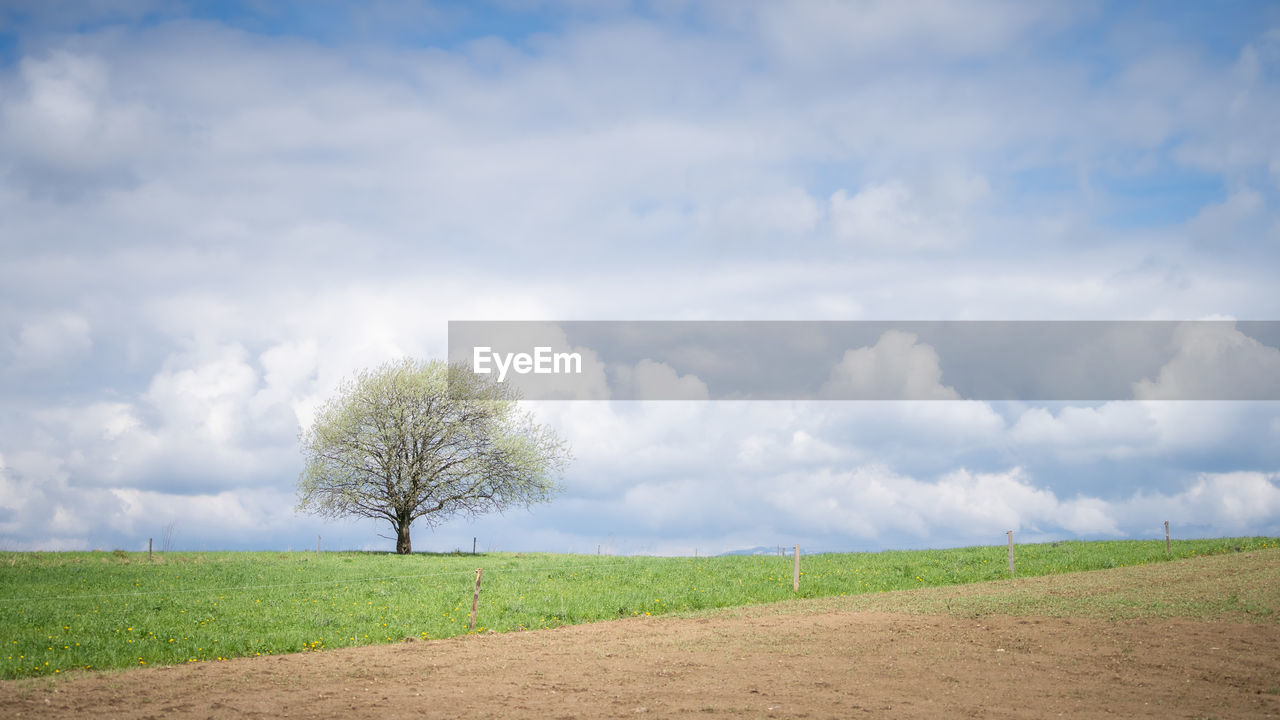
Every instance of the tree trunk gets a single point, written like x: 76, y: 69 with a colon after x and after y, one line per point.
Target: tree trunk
x: 403, y: 546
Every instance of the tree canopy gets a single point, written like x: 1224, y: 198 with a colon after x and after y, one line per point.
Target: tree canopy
x: 414, y: 440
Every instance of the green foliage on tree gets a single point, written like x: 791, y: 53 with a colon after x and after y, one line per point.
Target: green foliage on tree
x: 413, y: 440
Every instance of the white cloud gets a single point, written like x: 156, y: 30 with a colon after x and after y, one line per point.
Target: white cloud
x: 203, y: 419
x: 873, y: 502
x: 620, y: 443
x: 12, y: 500
x: 954, y: 424
x: 912, y: 216
x: 1113, y: 430
x: 206, y: 398
x: 615, y: 443
x: 1215, y: 362
x: 1143, y: 430
x: 51, y: 341
x: 148, y: 511
x: 788, y: 213
x: 61, y: 516
x: 1225, y: 503
x: 1239, y: 217
x: 289, y: 371
x: 650, y: 380
x: 66, y: 124
x: 664, y: 506
x: 42, y: 507
x: 881, y: 215
x: 768, y: 450
x: 46, y: 544
x: 823, y: 34
x: 897, y: 367
x: 1227, y: 116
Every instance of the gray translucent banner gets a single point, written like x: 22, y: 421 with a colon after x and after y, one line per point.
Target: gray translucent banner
x: 875, y: 360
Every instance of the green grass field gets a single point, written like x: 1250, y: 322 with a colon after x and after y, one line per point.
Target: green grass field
x: 62, y: 612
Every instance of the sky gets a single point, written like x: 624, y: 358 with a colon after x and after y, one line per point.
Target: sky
x: 213, y: 213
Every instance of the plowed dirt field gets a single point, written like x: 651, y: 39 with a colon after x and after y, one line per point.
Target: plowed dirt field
x: 1187, y: 639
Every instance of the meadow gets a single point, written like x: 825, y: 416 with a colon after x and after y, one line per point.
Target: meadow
x: 66, y: 612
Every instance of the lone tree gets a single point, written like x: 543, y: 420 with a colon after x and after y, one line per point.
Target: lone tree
x: 417, y: 440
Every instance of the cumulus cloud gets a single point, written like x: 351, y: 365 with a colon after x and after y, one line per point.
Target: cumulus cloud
x: 679, y: 506
x: 289, y: 372
x: 873, y: 502
x: 1230, y: 132
x: 895, y: 214
x: 651, y: 380
x: 800, y: 447
x: 786, y: 213
x: 65, y: 128
x: 205, y: 399
x: 821, y: 33
x: 1220, y: 503
x: 1215, y: 362
x: 1112, y: 430
x: 49, y: 513
x: 1236, y: 222
x: 1161, y: 432
x: 43, y: 513
x: 619, y: 443
x: 51, y: 341
x: 897, y: 367
x: 12, y: 501
x: 202, y: 514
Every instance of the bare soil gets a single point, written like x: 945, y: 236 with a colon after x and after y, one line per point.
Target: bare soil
x: 1074, y: 646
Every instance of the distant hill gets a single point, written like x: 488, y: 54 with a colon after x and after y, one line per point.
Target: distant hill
x: 761, y: 550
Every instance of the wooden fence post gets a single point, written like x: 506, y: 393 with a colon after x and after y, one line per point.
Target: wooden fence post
x: 317, y: 546
x: 148, y: 549
x: 1166, y: 536
x: 795, y: 572
x: 1010, y: 553
x: 475, y: 600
